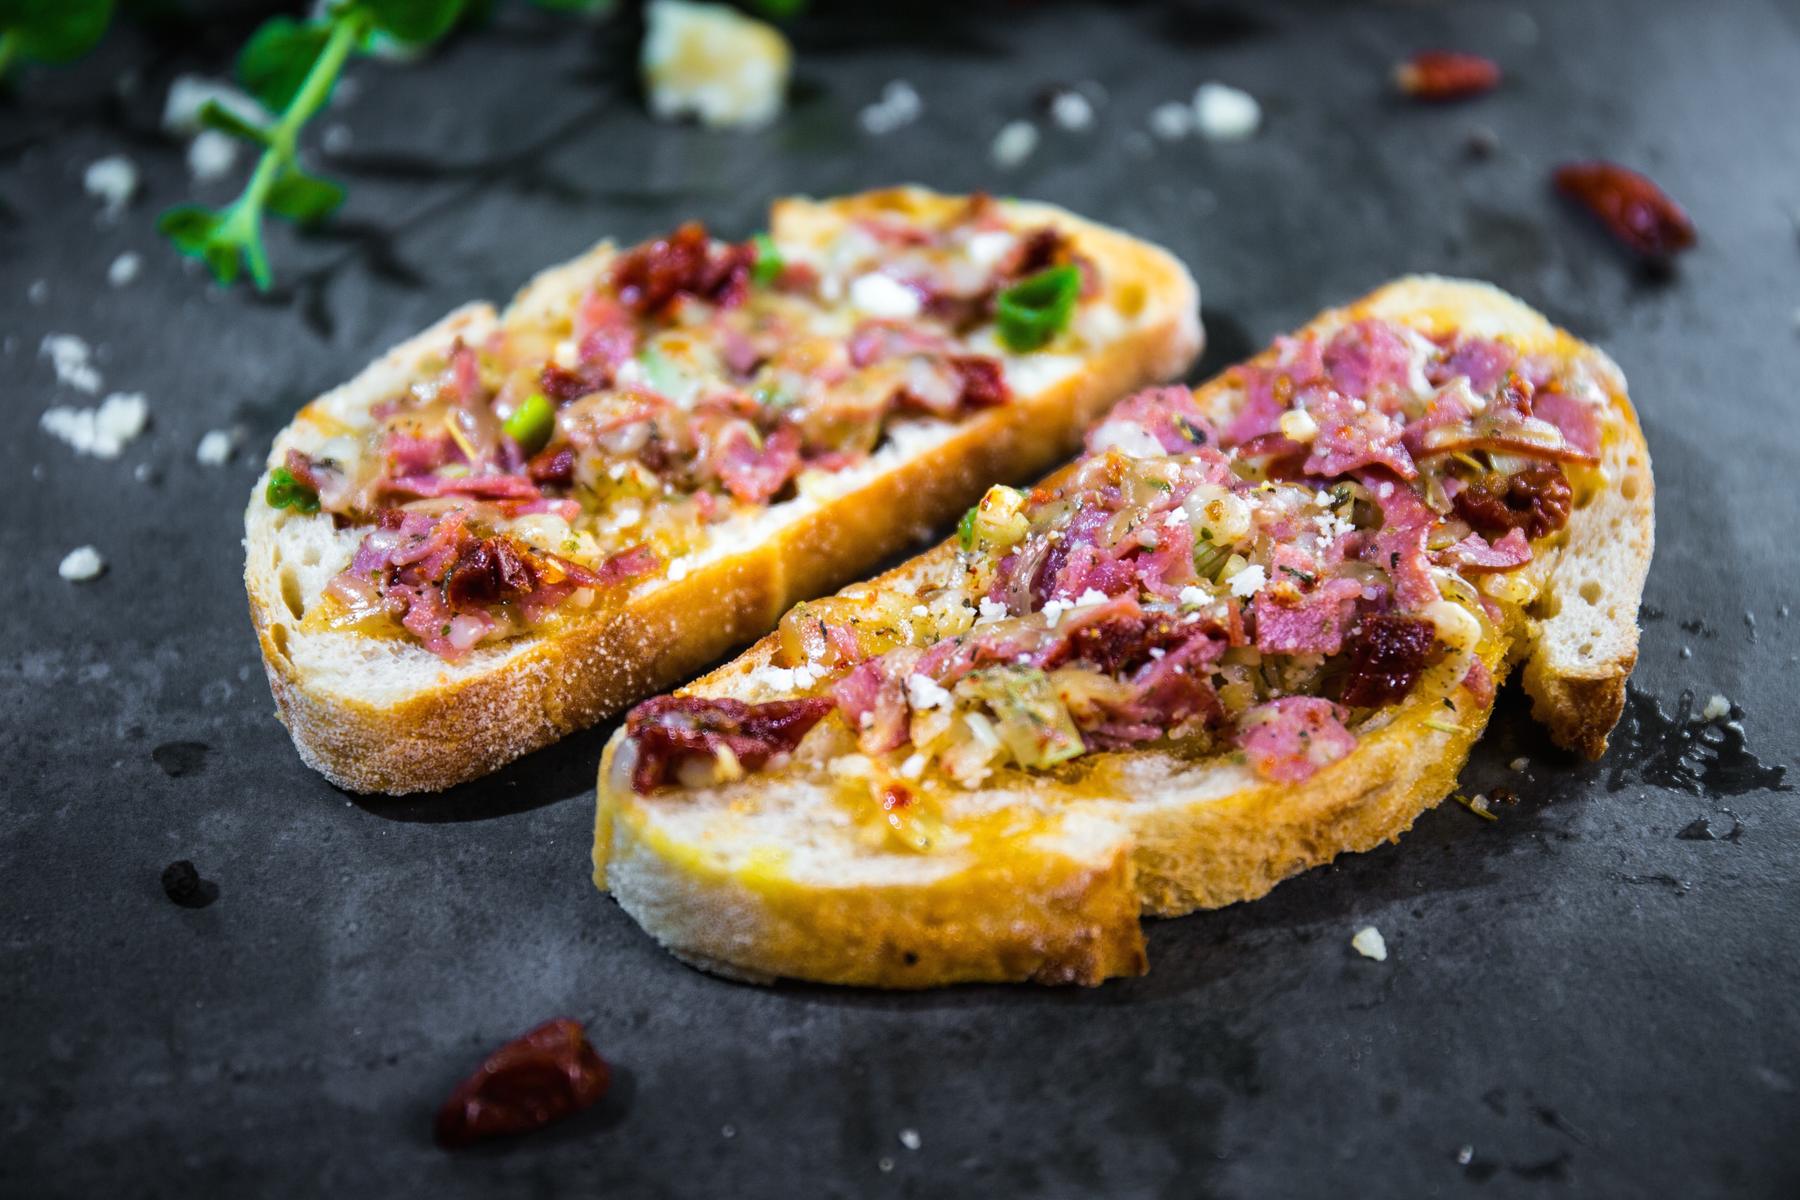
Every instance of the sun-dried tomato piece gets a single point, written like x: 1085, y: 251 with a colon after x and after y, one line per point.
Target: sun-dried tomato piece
x: 1387, y: 654
x: 650, y: 277
x: 553, y: 464
x: 531, y: 1081
x: 670, y: 729
x: 983, y: 381
x: 492, y: 571
x: 1535, y: 498
x: 1446, y: 75
x: 1633, y: 209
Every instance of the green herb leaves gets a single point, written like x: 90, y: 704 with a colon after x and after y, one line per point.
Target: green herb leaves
x: 50, y: 31
x: 769, y: 264
x: 1035, y: 309
x: 284, y: 491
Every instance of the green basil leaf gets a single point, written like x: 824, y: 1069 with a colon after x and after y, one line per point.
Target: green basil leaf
x: 1035, y: 309
x: 415, y: 21
x: 55, y: 31
x: 275, y: 61
x: 190, y: 227
x: 302, y: 198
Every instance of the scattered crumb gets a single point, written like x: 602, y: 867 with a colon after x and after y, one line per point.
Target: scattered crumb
x: 114, y: 179
x: 1717, y: 708
x: 728, y: 1131
x: 899, y: 105
x: 884, y: 1164
x: 1520, y: 763
x: 211, y: 155
x: 1687, y: 652
x: 124, y: 269
x: 81, y: 564
x: 1072, y: 111
x: 145, y: 473
x: 72, y: 358
x: 39, y: 291
x: 1465, y: 1156
x: 181, y: 109
x: 1370, y: 944
x: 1226, y: 114
x: 1014, y: 143
x: 910, y: 1139
x: 1172, y: 121
x: 102, y: 431
x: 712, y: 62
x: 215, y: 447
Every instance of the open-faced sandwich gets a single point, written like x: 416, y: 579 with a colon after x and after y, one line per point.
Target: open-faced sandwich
x: 515, y: 524
x: 1253, y: 627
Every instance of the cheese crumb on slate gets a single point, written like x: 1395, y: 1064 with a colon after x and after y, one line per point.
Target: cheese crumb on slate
x: 712, y: 62
x: 81, y: 564
x: 72, y: 357
x: 124, y: 269
x: 1172, y: 121
x: 102, y: 431
x: 39, y: 291
x: 211, y: 155
x: 1520, y: 763
x: 910, y: 1139
x: 1072, y: 111
x: 1717, y: 708
x: 899, y: 105
x: 1014, y: 143
x: 1370, y: 944
x: 215, y: 447
x: 113, y: 179
x: 1226, y: 114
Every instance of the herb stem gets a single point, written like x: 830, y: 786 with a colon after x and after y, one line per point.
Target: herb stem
x: 348, y: 28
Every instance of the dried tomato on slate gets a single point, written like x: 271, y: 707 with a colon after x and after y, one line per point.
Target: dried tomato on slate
x: 1446, y: 75
x: 1536, y: 498
x: 1632, y: 208
x: 1387, y: 654
x: 526, y: 1084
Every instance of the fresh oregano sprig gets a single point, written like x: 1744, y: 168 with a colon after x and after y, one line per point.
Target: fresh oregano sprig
x: 50, y: 31
x: 291, y: 68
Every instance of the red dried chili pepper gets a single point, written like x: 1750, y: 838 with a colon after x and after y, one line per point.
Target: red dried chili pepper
x: 1446, y: 75
x: 526, y: 1084
x: 1632, y: 208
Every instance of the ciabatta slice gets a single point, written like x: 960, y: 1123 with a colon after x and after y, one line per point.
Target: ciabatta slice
x: 384, y: 714
x: 1043, y: 875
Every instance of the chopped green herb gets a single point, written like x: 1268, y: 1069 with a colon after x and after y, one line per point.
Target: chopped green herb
x: 965, y: 530
x: 769, y: 263
x: 532, y: 423
x: 284, y: 491
x: 1035, y: 309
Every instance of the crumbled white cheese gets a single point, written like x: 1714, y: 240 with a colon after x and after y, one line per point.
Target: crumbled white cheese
x: 211, y: 155
x: 124, y: 269
x: 1297, y: 425
x: 1370, y: 944
x: 1191, y: 595
x: 913, y: 767
x: 626, y: 516
x: 713, y: 62
x: 782, y: 679
x: 1224, y: 113
x: 1090, y: 597
x: 72, y: 359
x: 851, y: 766
x: 678, y: 568
x: 1072, y: 111
x: 899, y: 105
x: 986, y: 249
x: 1248, y: 582
x: 1385, y: 490
x: 81, y: 564
x: 189, y: 93
x: 1717, y: 708
x: 1053, y: 611
x: 884, y: 296
x: 1014, y: 143
x: 102, y: 431
x: 924, y: 692
x: 1128, y: 438
x: 215, y: 447
x: 992, y: 610
x: 1175, y: 518
x: 1331, y: 526
x: 1520, y: 763
x: 919, y: 610
x: 910, y: 1139
x: 1172, y: 121
x: 113, y: 179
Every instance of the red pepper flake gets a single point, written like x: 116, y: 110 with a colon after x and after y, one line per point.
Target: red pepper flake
x: 1438, y: 75
x: 1632, y: 208
x: 526, y: 1084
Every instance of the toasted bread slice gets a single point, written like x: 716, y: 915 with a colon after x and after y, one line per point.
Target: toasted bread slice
x: 383, y: 714
x: 1043, y: 875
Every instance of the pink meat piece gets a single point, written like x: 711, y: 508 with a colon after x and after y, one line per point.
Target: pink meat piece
x: 1290, y: 739
x: 872, y: 699
x: 754, y: 474
x: 605, y: 334
x: 1399, y: 545
x: 1314, y: 623
x: 1484, y: 362
x: 1474, y: 555
x: 1348, y: 440
x: 1576, y: 419
x: 1169, y: 414
x: 1368, y: 359
x: 481, y: 487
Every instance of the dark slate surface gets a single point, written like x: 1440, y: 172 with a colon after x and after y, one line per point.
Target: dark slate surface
x: 1586, y: 998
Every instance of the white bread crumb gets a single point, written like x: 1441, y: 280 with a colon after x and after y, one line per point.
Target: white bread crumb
x: 124, y: 269
x: 1226, y: 114
x: 114, y: 179
x: 72, y: 359
x: 1172, y: 121
x: 211, y: 155
x: 215, y: 447
x: 910, y: 1139
x: 81, y: 564
x: 1717, y: 708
